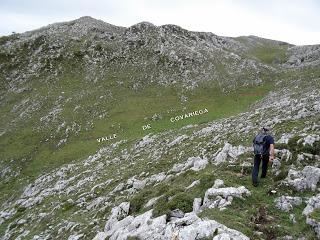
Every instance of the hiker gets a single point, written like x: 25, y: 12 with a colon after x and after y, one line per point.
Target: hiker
x: 263, y: 147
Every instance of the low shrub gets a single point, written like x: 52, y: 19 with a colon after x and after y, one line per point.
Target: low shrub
x: 182, y: 201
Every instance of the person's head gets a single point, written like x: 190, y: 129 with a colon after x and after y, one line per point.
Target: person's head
x: 264, y: 128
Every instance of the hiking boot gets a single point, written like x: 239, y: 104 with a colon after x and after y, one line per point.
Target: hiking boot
x: 255, y: 184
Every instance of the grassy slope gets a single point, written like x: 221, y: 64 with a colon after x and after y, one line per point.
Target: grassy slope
x: 130, y: 108
x: 126, y: 116
x: 266, y: 51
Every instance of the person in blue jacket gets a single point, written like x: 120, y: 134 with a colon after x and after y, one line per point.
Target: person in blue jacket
x: 263, y: 145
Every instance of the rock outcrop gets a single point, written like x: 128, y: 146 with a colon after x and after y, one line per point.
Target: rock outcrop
x: 144, y: 226
x: 220, y: 197
x: 307, y: 178
x: 312, y: 204
x: 286, y: 203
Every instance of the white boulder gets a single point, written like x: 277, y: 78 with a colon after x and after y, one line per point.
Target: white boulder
x: 305, y: 179
x: 286, y: 203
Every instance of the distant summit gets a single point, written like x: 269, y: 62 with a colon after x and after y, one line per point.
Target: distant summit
x: 76, y: 28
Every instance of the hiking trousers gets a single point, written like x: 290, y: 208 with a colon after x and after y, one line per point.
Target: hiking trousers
x: 257, y: 160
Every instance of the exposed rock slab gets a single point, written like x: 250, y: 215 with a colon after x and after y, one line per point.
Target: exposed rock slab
x: 144, y: 226
x: 307, y: 178
x: 286, y: 203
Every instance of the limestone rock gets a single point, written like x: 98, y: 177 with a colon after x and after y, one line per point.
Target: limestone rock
x: 194, y: 183
x: 196, y: 205
x: 229, y: 152
x: 100, y: 236
x: 222, y: 197
x: 177, y: 213
x: 156, y: 178
x: 285, y: 138
x: 178, y: 140
x: 222, y: 236
x: 193, y: 163
x: 312, y: 204
x: 152, y: 202
x: 283, y: 154
x: 186, y: 226
x: 139, y: 184
x: 310, y: 139
x: 199, y: 164
x: 195, y: 228
x: 218, y: 183
x: 286, y: 203
x: 117, y: 213
x: 292, y: 218
x: 276, y: 164
x: 305, y: 179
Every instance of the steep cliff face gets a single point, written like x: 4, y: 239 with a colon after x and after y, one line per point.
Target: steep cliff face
x: 113, y: 132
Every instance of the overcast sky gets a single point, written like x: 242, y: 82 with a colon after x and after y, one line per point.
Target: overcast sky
x: 293, y: 21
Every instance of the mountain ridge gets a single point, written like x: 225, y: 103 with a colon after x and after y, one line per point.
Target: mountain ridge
x: 89, y: 19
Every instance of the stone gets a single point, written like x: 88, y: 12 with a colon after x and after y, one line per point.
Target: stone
x: 310, y: 139
x: 184, y: 57
x: 156, y: 178
x: 152, y: 202
x: 119, y: 188
x: 187, y: 227
x: 285, y: 138
x: 178, y: 140
x: 100, y: 236
x: 194, y: 183
x: 220, y: 158
x: 222, y: 236
x: 312, y: 204
x: 141, y: 226
x: 228, y: 191
x: 308, y: 178
x: 177, y: 168
x: 196, y: 228
x: 96, y: 203
x: 21, y: 221
x: 315, y: 224
x: 286, y: 203
x: 139, y: 184
x: 117, y: 213
x: 145, y: 141
x: 300, y: 158
x: 196, y: 205
x: 4, y: 215
x: 199, y: 164
x: 283, y: 154
x: 177, y: 213
x: 222, y: 197
x: 287, y: 237
x: 195, y: 163
x: 292, y: 218
x: 120, y: 224
x: 229, y: 151
x: 276, y: 164
x: 75, y: 237
x: 218, y: 183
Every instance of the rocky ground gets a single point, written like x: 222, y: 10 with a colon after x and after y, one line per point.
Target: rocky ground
x: 172, y: 184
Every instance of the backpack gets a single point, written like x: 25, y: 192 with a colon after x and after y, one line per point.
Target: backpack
x: 260, y: 144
